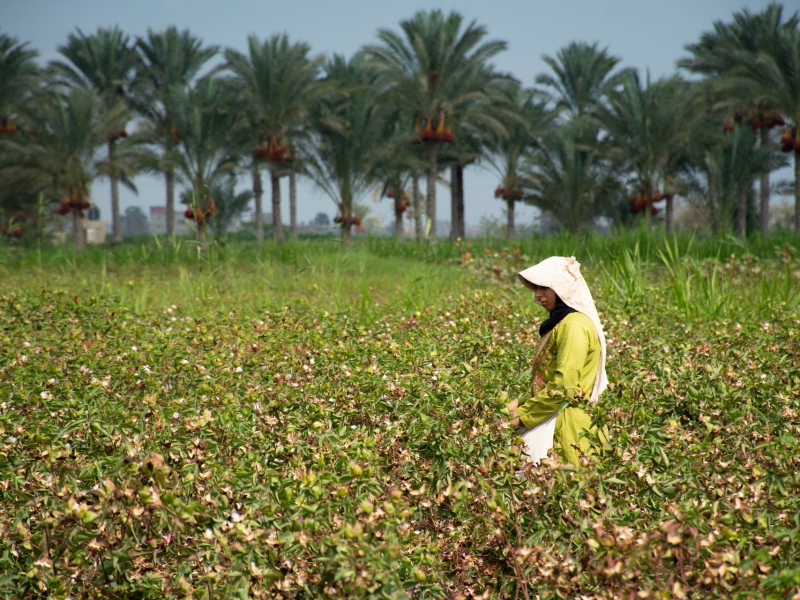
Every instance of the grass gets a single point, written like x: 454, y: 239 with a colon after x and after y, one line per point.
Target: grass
x: 304, y: 274
x: 252, y: 425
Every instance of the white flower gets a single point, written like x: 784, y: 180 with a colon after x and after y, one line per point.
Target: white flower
x: 209, y: 535
x: 239, y: 369
x: 176, y: 415
x: 134, y: 348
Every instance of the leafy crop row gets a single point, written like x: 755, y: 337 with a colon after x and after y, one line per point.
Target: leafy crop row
x: 301, y: 453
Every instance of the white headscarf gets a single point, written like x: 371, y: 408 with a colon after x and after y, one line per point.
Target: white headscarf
x: 563, y: 276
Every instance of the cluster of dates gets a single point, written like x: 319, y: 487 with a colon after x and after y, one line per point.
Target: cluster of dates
x: 276, y: 150
x: 439, y: 133
x: 641, y: 202
x: 7, y: 126
x: 74, y: 201
x: 508, y: 193
x: 199, y: 214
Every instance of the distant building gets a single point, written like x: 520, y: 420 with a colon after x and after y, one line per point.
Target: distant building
x: 95, y: 231
x: 158, y: 221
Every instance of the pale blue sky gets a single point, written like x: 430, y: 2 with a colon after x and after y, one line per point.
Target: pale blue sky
x: 645, y: 34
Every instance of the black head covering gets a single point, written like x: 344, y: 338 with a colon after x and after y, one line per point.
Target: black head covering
x: 559, y: 312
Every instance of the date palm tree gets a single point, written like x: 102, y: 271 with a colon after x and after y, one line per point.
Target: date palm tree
x: 230, y: 205
x: 203, y: 122
x: 729, y: 169
x: 169, y: 58
x: 349, y: 138
x: 651, y: 128
x: 18, y: 77
x: 394, y: 164
x: 105, y: 61
x: 728, y: 56
x: 775, y: 71
x: 438, y: 72
x: 581, y: 79
x: 279, y: 84
x: 506, y: 154
x: 56, y: 152
x: 568, y: 175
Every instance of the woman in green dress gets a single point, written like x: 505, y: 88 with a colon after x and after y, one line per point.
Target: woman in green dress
x: 568, y: 365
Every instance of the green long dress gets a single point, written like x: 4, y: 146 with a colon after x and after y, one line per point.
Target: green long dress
x: 564, y: 370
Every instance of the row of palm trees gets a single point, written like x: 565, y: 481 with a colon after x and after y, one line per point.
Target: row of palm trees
x: 588, y: 140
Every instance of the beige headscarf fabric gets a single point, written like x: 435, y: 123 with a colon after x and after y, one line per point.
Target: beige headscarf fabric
x: 563, y: 275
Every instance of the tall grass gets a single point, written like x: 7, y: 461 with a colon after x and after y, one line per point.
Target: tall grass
x: 299, y: 275
x: 706, y: 277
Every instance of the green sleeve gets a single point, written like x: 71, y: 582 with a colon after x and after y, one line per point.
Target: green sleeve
x: 572, y: 346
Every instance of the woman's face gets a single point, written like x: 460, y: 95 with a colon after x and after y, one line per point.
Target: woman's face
x: 545, y: 296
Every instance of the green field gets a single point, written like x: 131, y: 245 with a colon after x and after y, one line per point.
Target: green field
x: 307, y: 422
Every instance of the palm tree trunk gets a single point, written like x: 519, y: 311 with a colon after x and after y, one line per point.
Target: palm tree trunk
x: 277, y: 221
x: 78, y: 233
x: 116, y: 223
x: 398, y: 216
x: 763, y: 221
x: 431, y: 199
x: 712, y: 201
x: 669, y: 213
x: 201, y: 237
x: 417, y: 206
x: 258, y: 190
x: 460, y: 200
x: 797, y: 191
x: 741, y: 215
x: 292, y: 206
x: 347, y: 220
x: 170, y: 206
x: 453, y: 204
x: 511, y: 230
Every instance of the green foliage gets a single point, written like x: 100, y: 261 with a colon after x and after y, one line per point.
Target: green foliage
x: 222, y: 448
x: 569, y: 175
x: 18, y: 73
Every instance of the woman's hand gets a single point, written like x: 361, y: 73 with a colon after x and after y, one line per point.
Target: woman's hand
x: 512, y: 408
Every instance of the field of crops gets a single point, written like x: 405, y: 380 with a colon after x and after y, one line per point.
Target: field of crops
x: 310, y: 422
